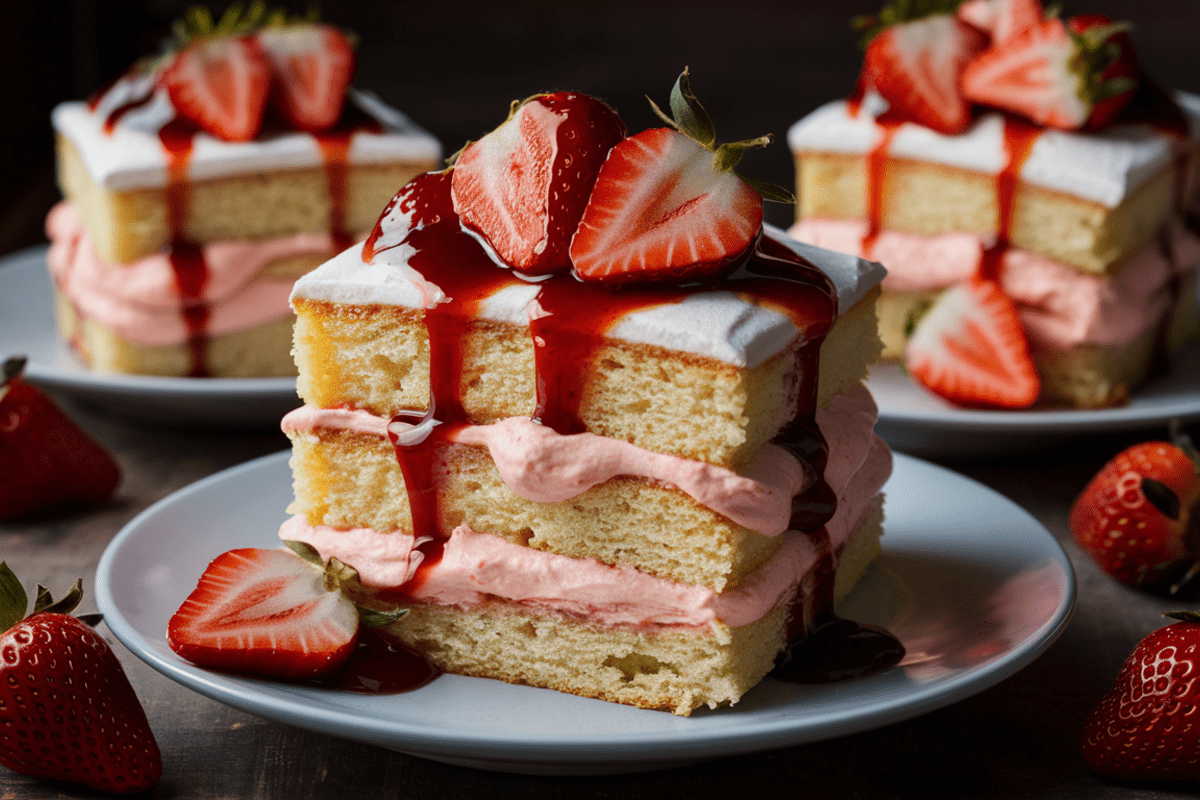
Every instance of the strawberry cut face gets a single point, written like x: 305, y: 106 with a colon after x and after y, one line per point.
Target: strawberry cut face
x: 221, y: 84
x: 917, y: 65
x: 266, y: 612
x: 970, y: 349
x: 522, y: 188
x: 660, y: 210
x: 312, y: 65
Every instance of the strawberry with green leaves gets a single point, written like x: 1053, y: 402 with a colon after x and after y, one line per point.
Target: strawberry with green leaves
x: 67, y: 710
x: 280, y: 613
x: 916, y: 52
x: 47, y: 460
x: 1145, y: 728
x: 667, y: 205
x: 1139, y: 517
x: 1072, y: 74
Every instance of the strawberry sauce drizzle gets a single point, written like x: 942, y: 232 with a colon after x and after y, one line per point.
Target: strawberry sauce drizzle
x: 335, y: 156
x: 187, y: 259
x: 1019, y: 138
x: 380, y: 665
x: 876, y: 166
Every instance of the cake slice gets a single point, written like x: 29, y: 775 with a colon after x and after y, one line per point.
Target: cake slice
x: 192, y: 204
x: 1077, y: 221
x: 638, y: 486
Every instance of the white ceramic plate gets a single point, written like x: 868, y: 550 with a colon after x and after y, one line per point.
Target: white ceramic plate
x: 27, y: 326
x: 972, y: 585
x: 915, y: 421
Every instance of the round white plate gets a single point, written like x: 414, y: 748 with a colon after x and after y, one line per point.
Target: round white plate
x: 972, y: 585
x: 916, y: 421
x: 27, y: 327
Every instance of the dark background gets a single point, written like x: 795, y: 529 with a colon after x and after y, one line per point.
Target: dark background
x: 758, y: 65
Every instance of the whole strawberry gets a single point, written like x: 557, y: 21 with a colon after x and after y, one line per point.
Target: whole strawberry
x: 1144, y: 728
x: 67, y: 711
x: 1138, y: 517
x: 46, y: 459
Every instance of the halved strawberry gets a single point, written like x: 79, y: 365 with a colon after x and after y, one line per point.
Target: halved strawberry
x: 219, y: 76
x: 916, y: 65
x: 1001, y: 20
x: 312, y: 64
x: 1067, y: 75
x: 522, y: 188
x: 271, y: 612
x: 970, y: 349
x: 667, y: 204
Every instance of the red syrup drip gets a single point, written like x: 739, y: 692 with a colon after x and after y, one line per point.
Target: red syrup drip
x: 1019, y: 137
x: 187, y: 260
x: 876, y: 166
x: 831, y: 648
x: 334, y: 144
x: 458, y: 264
x: 380, y: 665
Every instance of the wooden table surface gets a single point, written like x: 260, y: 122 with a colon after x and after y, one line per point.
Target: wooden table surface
x: 761, y: 66
x: 1017, y: 739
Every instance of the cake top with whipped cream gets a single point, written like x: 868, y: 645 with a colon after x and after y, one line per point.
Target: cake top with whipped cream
x: 650, y: 238
x: 946, y: 73
x: 243, y: 93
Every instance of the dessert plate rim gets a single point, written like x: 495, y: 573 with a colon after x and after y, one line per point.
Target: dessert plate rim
x: 27, y: 307
x: 937, y: 519
x: 914, y: 420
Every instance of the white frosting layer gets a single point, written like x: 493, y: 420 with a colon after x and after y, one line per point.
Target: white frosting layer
x: 717, y: 324
x: 132, y: 157
x: 1103, y: 167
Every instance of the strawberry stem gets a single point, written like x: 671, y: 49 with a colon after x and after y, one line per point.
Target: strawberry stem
x: 13, y: 367
x: 1183, y: 616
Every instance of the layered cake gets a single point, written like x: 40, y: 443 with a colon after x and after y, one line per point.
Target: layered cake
x: 1033, y: 157
x: 591, y: 424
x: 202, y: 183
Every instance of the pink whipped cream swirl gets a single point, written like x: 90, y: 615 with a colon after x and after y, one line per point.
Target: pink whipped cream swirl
x: 1060, y: 306
x: 141, y: 301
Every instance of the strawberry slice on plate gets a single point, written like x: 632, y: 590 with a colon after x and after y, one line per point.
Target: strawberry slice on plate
x: 667, y: 204
x: 1069, y: 75
x: 219, y: 77
x: 970, y: 349
x: 272, y: 612
x: 522, y: 188
x: 916, y: 65
x: 312, y: 65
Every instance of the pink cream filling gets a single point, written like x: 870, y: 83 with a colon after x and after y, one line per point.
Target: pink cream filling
x: 1060, y: 306
x: 477, y: 566
x: 141, y: 301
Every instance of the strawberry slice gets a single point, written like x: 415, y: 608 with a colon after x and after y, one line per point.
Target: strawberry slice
x: 662, y: 209
x: 916, y: 66
x: 522, y: 188
x: 667, y: 204
x: 1001, y: 20
x: 312, y: 65
x: 1067, y: 75
x: 271, y: 612
x: 970, y: 349
x: 221, y: 84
